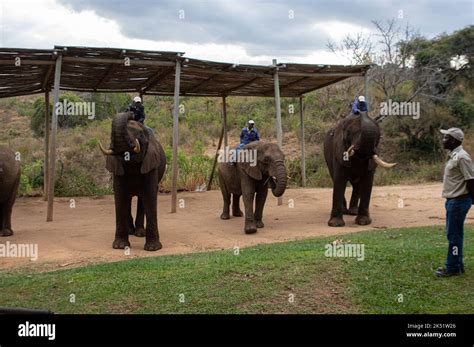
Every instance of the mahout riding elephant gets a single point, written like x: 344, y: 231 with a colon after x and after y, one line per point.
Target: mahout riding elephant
x: 252, y: 181
x: 10, y: 173
x: 138, y: 162
x: 350, y: 151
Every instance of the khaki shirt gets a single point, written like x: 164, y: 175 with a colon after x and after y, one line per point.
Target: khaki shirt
x: 458, y: 170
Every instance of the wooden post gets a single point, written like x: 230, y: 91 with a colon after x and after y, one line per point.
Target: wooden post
x: 278, y: 113
x: 224, y: 116
x: 174, y: 190
x: 52, y: 146
x: 214, y: 164
x: 366, y: 90
x: 303, y: 155
x: 47, y: 125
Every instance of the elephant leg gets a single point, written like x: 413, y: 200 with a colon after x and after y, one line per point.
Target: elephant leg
x: 122, y: 214
x: 150, y: 204
x: 3, y: 231
x: 354, y: 203
x: 225, y: 210
x: 344, y: 206
x: 365, y: 191
x: 131, y: 226
x: 236, y: 212
x: 262, y: 192
x: 248, y: 195
x: 339, y: 189
x: 6, y: 211
x: 140, y: 219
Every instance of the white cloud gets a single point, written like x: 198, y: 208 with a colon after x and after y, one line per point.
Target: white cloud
x: 45, y: 23
x: 337, y: 30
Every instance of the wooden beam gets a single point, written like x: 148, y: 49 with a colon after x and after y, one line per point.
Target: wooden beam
x: 202, y: 83
x: 46, y: 77
x: 224, y: 121
x: 47, y: 125
x: 109, y: 71
x: 207, y: 80
x: 230, y: 90
x: 322, y: 85
x: 27, y: 62
x: 155, y: 79
x: 52, y: 146
x: 320, y: 74
x: 279, y: 130
x: 228, y: 73
x: 366, y: 90
x: 174, y: 189
x: 133, y: 62
x: 286, y: 86
x: 214, y: 164
x: 303, y: 154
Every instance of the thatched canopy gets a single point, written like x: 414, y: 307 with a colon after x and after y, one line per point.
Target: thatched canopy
x: 87, y: 69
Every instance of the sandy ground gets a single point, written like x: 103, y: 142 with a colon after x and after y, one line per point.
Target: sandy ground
x: 84, y: 234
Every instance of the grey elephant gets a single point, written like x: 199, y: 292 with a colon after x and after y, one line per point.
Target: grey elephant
x: 350, y: 151
x: 138, y: 162
x: 10, y: 173
x: 252, y: 181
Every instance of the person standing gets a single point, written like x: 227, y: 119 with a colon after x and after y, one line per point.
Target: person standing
x: 458, y: 189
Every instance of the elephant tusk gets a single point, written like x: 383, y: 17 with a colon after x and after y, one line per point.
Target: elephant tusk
x: 382, y: 163
x: 137, y: 148
x: 350, y: 151
x: 105, y: 151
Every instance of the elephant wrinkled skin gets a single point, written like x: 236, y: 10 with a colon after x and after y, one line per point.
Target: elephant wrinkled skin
x: 252, y: 183
x: 350, y: 151
x: 138, y: 162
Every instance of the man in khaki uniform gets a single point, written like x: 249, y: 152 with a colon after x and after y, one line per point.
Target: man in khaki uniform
x: 458, y: 189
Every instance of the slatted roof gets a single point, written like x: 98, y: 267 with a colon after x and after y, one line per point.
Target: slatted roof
x: 91, y: 69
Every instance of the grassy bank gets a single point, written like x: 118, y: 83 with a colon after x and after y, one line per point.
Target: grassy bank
x: 396, y: 276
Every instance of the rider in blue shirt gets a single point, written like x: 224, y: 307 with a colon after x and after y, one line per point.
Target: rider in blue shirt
x: 249, y: 134
x: 359, y: 105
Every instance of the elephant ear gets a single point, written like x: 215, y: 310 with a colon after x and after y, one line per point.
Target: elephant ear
x: 339, y: 145
x: 252, y: 171
x: 113, y: 163
x: 152, y: 157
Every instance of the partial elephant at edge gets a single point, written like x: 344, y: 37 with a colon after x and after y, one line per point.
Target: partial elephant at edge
x: 10, y: 173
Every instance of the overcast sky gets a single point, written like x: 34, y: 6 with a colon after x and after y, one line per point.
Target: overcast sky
x: 241, y: 31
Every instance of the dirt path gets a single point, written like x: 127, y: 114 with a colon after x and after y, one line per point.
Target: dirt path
x: 84, y: 234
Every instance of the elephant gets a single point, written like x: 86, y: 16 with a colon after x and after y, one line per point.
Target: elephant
x: 350, y: 151
x: 244, y: 178
x: 137, y: 162
x: 10, y: 173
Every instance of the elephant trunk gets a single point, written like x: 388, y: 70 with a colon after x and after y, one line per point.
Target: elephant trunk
x: 119, y: 137
x: 281, y: 180
x: 369, y: 135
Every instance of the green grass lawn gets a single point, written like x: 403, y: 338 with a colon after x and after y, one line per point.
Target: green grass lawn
x: 396, y: 276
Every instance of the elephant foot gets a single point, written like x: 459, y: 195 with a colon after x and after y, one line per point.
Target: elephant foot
x: 259, y: 224
x: 237, y: 213
x: 6, y: 232
x: 353, y: 211
x: 140, y: 232
x: 153, y: 245
x: 336, y: 222
x: 120, y: 243
x: 225, y: 215
x: 250, y: 228
x: 363, y: 220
